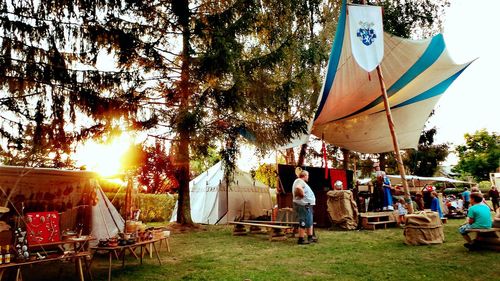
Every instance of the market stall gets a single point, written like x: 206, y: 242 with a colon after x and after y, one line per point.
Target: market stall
x: 52, y: 215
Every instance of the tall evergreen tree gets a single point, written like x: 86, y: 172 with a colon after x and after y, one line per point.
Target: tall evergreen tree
x: 192, y: 72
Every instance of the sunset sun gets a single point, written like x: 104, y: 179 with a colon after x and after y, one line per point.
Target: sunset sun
x: 104, y: 158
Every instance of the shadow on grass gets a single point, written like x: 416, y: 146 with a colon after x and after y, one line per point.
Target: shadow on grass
x: 215, y: 254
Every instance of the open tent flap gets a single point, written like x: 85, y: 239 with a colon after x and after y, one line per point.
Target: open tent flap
x: 75, y: 195
x: 350, y: 110
x: 105, y: 214
x: 213, y: 203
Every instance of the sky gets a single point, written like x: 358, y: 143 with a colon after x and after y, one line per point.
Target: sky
x: 472, y: 102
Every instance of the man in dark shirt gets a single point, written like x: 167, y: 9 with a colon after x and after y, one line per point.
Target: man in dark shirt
x: 493, y: 194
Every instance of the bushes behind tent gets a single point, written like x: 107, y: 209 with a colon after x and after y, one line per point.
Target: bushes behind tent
x: 154, y: 207
x: 484, y: 186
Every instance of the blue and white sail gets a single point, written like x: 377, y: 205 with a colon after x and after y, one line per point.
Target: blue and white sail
x: 350, y: 110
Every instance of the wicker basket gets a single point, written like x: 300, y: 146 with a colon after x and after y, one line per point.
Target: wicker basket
x: 158, y: 233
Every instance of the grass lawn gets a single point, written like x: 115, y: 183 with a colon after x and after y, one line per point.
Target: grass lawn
x: 214, y: 254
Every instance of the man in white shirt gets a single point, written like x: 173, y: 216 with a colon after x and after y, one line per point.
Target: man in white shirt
x: 303, y: 202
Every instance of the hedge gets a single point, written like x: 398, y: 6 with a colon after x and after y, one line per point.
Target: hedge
x: 154, y: 207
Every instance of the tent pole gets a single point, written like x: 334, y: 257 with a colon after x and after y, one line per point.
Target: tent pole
x: 128, y: 201
x: 107, y: 207
x: 104, y: 222
x: 395, y: 143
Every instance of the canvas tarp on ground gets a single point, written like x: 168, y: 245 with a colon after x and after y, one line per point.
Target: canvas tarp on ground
x: 75, y: 195
x: 212, y: 203
x: 351, y: 110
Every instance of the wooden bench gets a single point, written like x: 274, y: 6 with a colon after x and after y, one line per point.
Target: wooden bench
x: 276, y: 231
x: 294, y: 224
x: 486, y: 238
x: 483, y: 230
x: 273, y: 222
x: 373, y: 220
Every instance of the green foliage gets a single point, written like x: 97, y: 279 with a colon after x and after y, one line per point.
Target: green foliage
x: 154, y: 207
x: 110, y: 186
x: 195, y: 75
x: 480, y: 155
x: 333, y: 154
x: 155, y: 169
x: 32, y: 151
x: 364, y: 164
x: 420, y: 18
x: 425, y: 160
x: 48, y: 80
x: 484, y: 186
x: 267, y: 174
x: 203, y: 160
x: 417, y: 18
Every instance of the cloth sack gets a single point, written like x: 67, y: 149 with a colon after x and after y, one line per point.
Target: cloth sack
x: 342, y: 209
x: 423, y: 228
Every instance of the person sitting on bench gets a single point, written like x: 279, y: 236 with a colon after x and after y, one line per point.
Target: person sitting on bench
x: 478, y: 216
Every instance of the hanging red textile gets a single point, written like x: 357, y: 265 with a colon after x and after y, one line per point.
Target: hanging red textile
x: 338, y: 175
x: 323, y: 148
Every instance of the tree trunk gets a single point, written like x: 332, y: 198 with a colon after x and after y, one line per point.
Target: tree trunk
x: 382, y: 160
x: 290, y: 156
x: 345, y: 153
x: 302, y: 155
x: 181, y: 156
x: 182, y: 169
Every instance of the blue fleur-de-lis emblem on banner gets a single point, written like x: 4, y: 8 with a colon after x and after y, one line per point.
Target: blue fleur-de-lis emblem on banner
x: 366, y: 33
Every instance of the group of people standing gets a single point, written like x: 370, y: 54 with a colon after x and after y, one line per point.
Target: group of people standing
x: 382, y: 195
x: 478, y: 212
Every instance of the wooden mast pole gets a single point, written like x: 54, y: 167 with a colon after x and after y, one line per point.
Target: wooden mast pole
x: 395, y: 143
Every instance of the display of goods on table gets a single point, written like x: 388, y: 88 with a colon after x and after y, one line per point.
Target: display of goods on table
x: 42, y: 227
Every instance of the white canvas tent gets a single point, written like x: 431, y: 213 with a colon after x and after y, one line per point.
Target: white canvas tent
x: 212, y: 203
x: 419, y: 182
x: 75, y: 195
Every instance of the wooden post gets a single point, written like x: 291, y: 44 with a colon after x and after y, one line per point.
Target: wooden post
x: 128, y: 202
x: 395, y: 143
x: 394, y: 137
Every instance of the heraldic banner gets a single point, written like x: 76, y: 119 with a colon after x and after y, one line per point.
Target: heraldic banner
x: 367, y: 35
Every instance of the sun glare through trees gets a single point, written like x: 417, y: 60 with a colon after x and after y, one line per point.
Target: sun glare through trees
x: 104, y: 158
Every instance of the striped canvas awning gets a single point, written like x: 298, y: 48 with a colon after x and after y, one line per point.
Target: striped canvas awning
x: 351, y: 110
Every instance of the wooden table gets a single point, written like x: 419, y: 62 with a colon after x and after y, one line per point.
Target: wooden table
x: 80, y: 252
x: 121, y: 250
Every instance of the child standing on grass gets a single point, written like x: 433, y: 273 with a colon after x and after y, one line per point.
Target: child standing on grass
x: 401, y: 211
